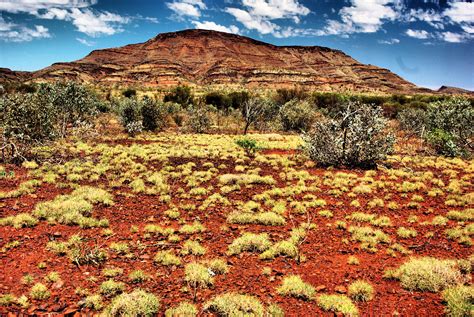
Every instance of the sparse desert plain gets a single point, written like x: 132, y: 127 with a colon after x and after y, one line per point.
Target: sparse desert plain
x: 236, y: 200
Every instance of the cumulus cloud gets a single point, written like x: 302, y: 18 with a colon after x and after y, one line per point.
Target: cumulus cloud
x: 189, y: 8
x: 260, y: 15
x: 34, y: 6
x: 11, y: 32
x: 363, y: 16
x: 87, y: 20
x: 418, y: 34
x: 252, y: 22
x: 209, y: 25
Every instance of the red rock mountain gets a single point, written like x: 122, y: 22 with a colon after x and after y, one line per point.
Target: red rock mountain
x: 201, y: 57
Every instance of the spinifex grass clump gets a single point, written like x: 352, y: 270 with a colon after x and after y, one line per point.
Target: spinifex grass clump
x: 136, y: 303
x: 249, y: 242
x: 293, y: 285
x: 338, y: 304
x: 431, y: 274
x: 232, y: 304
x: 75, y: 208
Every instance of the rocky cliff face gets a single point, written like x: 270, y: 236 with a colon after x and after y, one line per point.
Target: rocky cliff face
x: 200, y: 57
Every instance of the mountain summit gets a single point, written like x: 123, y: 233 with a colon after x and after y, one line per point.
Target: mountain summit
x: 202, y: 57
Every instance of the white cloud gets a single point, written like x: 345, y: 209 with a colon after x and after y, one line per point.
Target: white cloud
x: 33, y: 6
x: 253, y: 22
x: 209, y: 25
x: 11, y: 32
x: 190, y: 8
x: 418, y: 34
x: 452, y: 37
x: 95, y: 24
x: 461, y: 12
x: 259, y: 15
x: 86, y: 20
x: 390, y: 41
x: 363, y: 16
x: 85, y: 42
x: 276, y: 9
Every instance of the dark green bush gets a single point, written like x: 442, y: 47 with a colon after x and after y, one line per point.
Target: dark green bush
x: 218, y: 100
x: 238, y: 98
x: 181, y: 95
x: 129, y: 93
x: 284, y: 95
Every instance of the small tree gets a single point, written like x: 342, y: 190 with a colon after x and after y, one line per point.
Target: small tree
x: 254, y: 109
x: 357, y: 137
x: 249, y: 146
x: 198, y: 120
x: 31, y: 119
x: 73, y: 104
x: 296, y: 115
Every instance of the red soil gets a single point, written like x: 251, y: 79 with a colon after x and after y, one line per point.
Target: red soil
x: 325, y: 266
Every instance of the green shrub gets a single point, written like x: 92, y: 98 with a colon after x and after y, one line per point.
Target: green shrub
x: 22, y: 220
x: 285, y: 95
x: 296, y: 115
x: 356, y: 138
x: 218, y: 100
x: 413, y: 120
x: 138, y: 276
x: 129, y: 93
x: 130, y: 115
x: 111, y: 287
x: 93, y: 302
x: 249, y: 146
x: 450, y: 126
x: 136, y: 303
x: 153, y: 115
x: 167, y: 258
x: 255, y: 110
x: 34, y: 118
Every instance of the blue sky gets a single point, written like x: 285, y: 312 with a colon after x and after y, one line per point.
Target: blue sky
x: 429, y: 42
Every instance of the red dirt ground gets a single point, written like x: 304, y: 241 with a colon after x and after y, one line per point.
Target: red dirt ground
x: 325, y: 266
